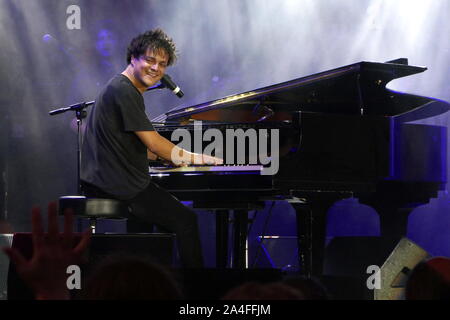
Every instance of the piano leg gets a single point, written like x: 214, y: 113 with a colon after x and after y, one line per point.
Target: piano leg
x: 304, y: 237
x: 240, y: 230
x: 311, y: 224
x: 393, y: 221
x: 311, y: 228
x: 222, y: 238
x: 240, y: 239
x: 394, y: 202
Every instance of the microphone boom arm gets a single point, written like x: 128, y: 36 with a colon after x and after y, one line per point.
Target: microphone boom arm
x: 74, y: 107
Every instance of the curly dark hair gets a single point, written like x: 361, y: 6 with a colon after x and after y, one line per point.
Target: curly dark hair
x: 155, y: 40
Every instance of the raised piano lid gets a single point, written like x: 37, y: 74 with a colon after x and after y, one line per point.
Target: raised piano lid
x: 358, y: 88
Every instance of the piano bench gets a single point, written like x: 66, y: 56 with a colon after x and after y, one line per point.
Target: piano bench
x: 93, y: 208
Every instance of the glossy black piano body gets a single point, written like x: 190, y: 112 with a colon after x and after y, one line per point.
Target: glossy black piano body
x: 211, y: 185
x: 342, y: 134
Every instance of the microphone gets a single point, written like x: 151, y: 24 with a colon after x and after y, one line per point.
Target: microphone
x: 169, y: 84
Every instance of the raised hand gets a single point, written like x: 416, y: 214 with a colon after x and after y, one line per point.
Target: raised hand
x: 45, y: 273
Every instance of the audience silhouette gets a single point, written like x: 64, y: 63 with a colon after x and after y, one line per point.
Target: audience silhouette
x: 263, y: 291
x: 46, y: 272
x: 130, y: 278
x: 429, y: 280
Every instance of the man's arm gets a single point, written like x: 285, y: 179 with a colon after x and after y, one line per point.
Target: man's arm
x: 157, y: 145
x: 160, y: 146
x: 151, y: 155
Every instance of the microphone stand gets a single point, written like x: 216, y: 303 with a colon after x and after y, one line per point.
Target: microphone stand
x: 80, y: 113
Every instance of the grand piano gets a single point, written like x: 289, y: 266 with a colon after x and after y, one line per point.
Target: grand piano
x: 341, y: 134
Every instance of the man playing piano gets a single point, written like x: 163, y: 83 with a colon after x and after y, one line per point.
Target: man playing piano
x: 119, y: 140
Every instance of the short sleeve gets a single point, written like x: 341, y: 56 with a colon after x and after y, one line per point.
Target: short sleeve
x: 131, y: 105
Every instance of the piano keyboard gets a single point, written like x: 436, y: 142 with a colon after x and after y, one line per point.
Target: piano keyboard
x: 199, y: 169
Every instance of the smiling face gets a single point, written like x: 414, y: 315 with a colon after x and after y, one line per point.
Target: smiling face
x: 149, y: 68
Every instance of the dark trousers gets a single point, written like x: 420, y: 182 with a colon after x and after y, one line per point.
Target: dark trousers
x: 156, y: 206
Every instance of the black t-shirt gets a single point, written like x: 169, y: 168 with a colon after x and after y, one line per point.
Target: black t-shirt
x: 113, y: 158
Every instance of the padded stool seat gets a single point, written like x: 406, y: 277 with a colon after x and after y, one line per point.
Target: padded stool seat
x: 93, y: 208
